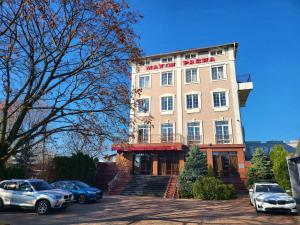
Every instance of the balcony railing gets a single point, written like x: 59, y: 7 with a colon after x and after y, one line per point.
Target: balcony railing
x: 176, y: 138
x: 198, y: 139
x: 243, y: 78
x: 161, y: 138
x: 223, y: 139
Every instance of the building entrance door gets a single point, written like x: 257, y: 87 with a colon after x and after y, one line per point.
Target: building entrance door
x: 168, y: 164
x: 225, y: 164
x: 142, y: 164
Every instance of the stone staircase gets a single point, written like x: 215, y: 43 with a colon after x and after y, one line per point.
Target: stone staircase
x: 146, y: 185
x: 171, y: 189
x: 120, y: 184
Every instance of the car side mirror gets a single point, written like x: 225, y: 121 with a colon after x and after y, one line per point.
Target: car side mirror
x: 28, y: 189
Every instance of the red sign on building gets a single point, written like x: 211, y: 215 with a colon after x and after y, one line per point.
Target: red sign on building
x: 161, y: 66
x: 198, y: 61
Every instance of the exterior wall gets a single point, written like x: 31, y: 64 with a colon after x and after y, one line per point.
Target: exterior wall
x: 204, y: 87
x: 180, y: 116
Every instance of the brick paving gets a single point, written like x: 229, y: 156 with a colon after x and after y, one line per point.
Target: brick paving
x: 149, y: 210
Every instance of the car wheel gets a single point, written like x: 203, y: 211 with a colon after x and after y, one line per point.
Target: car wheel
x: 1, y: 205
x: 82, y: 199
x: 42, y: 207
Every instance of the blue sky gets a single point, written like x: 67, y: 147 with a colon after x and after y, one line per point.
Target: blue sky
x: 268, y: 32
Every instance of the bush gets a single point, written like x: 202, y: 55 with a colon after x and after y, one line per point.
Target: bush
x: 211, y: 188
x: 12, y: 172
x: 210, y: 172
x: 79, y: 167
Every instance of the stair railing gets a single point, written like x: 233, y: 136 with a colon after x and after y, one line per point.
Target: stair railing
x: 115, y: 180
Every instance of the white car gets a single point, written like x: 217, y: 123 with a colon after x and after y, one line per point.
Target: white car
x: 266, y: 197
x: 34, y: 193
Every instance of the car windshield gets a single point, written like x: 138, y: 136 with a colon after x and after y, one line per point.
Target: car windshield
x: 81, y: 184
x: 269, y: 188
x: 41, y: 185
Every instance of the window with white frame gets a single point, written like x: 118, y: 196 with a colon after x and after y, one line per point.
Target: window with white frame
x: 166, y: 78
x: 220, y: 99
x: 167, y: 132
x: 167, y: 59
x: 167, y: 103
x: 190, y: 56
x: 147, y: 62
x: 143, y: 105
x: 191, y: 76
x: 216, y: 52
x: 194, y: 133
x: 217, y: 72
x: 143, y: 133
x: 222, y: 132
x: 192, y: 101
x: 144, y: 81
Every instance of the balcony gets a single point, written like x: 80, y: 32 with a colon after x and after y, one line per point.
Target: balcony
x: 223, y: 139
x: 245, y: 85
x: 157, y: 138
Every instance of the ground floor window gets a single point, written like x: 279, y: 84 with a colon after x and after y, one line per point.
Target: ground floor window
x: 142, y: 163
x: 167, y: 163
x: 225, y: 164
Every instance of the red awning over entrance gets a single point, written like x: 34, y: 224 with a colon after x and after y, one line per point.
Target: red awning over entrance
x: 149, y: 147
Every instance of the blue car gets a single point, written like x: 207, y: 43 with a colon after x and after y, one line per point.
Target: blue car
x: 81, y: 191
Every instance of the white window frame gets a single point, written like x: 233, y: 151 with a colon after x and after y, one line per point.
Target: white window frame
x: 166, y: 112
x: 144, y: 113
x: 147, y: 62
x: 193, y: 110
x: 189, y: 56
x: 229, y: 130
x: 149, y: 133
x: 197, y: 75
x: 221, y: 108
x: 201, y: 129
x: 174, y: 129
x: 166, y: 85
x: 224, y: 72
x: 168, y: 58
x: 144, y: 75
x: 215, y: 50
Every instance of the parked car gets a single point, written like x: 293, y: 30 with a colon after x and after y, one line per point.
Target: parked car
x: 267, y: 197
x: 82, y: 192
x: 33, y: 193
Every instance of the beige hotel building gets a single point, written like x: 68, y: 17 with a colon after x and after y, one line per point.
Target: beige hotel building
x: 194, y: 97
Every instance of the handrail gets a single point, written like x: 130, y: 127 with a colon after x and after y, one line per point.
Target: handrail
x: 114, y: 181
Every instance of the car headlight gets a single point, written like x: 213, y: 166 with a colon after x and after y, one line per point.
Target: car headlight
x: 259, y: 199
x: 290, y: 201
x: 91, y: 192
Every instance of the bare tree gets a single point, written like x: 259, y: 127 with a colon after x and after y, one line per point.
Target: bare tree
x: 70, y: 60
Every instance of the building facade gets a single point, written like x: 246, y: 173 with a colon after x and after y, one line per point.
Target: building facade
x: 192, y: 97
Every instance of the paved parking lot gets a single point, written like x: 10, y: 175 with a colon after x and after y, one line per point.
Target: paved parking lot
x: 147, y: 210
